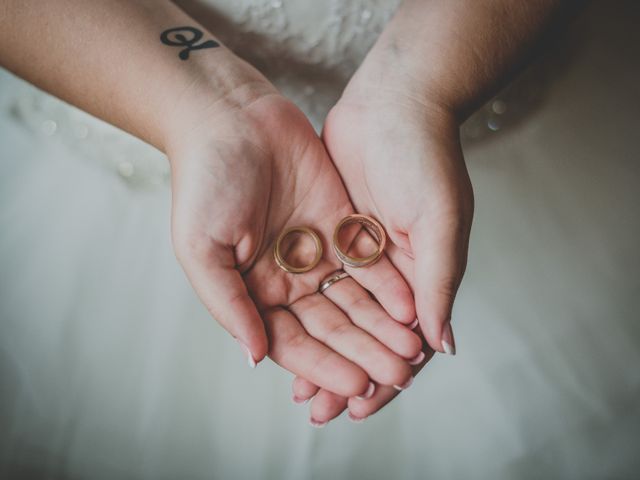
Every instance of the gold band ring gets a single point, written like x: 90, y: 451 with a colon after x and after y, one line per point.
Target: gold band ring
x: 277, y: 254
x: 374, y: 227
x: 331, y: 279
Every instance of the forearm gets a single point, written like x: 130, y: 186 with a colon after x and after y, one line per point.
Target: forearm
x: 107, y: 58
x: 458, y: 52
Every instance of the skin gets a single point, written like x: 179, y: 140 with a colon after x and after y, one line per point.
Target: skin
x: 245, y: 165
x: 394, y: 138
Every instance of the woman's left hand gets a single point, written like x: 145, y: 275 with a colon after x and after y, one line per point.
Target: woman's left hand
x: 401, y: 162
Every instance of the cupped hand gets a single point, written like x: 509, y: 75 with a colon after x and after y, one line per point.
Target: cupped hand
x: 401, y: 162
x: 244, y: 168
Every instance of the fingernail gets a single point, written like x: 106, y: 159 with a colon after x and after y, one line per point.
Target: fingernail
x: 353, y: 419
x: 413, y: 324
x: 316, y: 424
x: 417, y: 360
x: 369, y: 393
x: 448, y: 342
x: 299, y: 400
x: 250, y: 361
x: 405, y: 385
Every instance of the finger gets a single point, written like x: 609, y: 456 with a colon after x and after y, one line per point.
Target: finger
x: 382, y: 279
x: 439, y: 265
x: 326, y: 406
x: 367, y: 314
x: 211, y: 270
x: 303, y: 390
x: 293, y: 349
x: 402, y: 261
x: 327, y: 323
x: 360, y: 409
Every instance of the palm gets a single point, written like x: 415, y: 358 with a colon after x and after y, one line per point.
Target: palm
x: 263, y: 173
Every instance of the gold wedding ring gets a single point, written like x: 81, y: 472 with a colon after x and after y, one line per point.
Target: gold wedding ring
x: 331, y: 279
x: 277, y: 254
x: 373, y: 227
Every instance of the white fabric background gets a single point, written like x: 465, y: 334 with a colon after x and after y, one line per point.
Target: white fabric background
x: 110, y: 368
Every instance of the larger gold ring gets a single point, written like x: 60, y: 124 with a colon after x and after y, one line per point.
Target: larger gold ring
x: 282, y: 262
x: 374, y: 227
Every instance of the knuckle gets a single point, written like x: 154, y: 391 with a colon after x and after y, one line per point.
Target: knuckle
x: 295, y: 340
x: 335, y: 331
x: 357, y: 303
x: 285, y: 343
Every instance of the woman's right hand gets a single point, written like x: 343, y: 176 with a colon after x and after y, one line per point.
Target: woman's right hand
x: 245, y: 167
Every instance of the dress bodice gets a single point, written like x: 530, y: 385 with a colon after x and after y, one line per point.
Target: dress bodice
x: 308, y: 49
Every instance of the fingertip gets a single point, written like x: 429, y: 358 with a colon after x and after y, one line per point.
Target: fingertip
x: 431, y: 333
x: 432, y: 318
x: 353, y: 419
x: 405, y: 343
x: 251, y: 359
x: 438, y: 273
x: 369, y: 393
x: 359, y: 408
x: 418, y: 359
x: 405, y: 385
x: 326, y: 406
x: 448, y: 340
x: 260, y: 349
x: 398, y: 300
x: 359, y: 383
x: 256, y: 343
x: 404, y: 308
x: 413, y: 345
x: 303, y: 390
x: 439, y: 336
x: 396, y: 374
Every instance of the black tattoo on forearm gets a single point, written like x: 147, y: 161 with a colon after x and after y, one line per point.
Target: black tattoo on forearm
x: 180, y: 40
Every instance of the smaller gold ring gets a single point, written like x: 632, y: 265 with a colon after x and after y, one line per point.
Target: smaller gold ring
x: 374, y: 227
x: 331, y: 279
x: 288, y: 267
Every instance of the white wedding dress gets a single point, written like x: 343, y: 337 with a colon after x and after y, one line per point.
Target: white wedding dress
x: 110, y: 368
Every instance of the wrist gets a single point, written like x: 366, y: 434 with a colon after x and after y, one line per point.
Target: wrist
x: 399, y: 96
x: 393, y: 80
x: 213, y: 93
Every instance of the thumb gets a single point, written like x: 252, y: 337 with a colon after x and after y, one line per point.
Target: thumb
x: 215, y: 278
x: 440, y: 259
